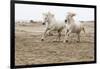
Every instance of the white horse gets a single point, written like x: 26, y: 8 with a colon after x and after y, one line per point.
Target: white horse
x: 52, y: 25
x: 72, y: 26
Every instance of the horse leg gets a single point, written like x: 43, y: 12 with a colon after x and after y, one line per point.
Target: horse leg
x: 59, y: 35
x: 78, y: 34
x: 68, y: 35
x: 44, y: 34
x: 67, y: 32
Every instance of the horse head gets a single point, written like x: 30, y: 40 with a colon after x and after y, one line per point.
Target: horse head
x: 69, y: 19
x: 47, y: 17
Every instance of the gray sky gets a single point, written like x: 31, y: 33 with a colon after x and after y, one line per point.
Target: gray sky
x: 27, y: 12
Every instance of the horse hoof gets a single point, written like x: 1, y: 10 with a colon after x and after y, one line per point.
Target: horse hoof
x: 78, y: 41
x: 42, y: 39
x: 66, y: 40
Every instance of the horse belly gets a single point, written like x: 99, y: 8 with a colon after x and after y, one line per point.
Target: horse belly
x: 76, y: 29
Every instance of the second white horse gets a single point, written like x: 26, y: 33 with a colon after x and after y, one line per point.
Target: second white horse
x: 73, y: 26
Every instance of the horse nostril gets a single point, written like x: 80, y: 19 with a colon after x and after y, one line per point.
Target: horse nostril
x: 43, y: 23
x: 65, y: 20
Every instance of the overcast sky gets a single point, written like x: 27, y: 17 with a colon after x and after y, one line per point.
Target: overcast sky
x: 35, y: 12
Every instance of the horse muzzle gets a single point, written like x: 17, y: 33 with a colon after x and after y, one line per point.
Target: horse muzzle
x: 65, y: 20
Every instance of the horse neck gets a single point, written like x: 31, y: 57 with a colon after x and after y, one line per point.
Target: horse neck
x: 52, y: 21
x: 71, y: 20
